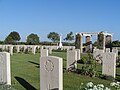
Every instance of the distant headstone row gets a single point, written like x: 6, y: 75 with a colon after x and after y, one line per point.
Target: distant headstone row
x: 32, y: 48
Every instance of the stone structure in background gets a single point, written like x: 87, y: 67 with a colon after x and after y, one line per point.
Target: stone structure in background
x: 51, y: 73
x: 11, y: 50
x: 103, y: 41
x: 5, y: 73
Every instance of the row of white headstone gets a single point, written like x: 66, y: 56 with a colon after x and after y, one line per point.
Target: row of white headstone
x: 33, y: 47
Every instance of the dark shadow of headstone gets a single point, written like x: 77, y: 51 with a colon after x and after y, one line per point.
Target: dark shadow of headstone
x: 25, y: 84
x: 34, y: 63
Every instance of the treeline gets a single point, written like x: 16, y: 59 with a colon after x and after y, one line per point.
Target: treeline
x: 33, y: 39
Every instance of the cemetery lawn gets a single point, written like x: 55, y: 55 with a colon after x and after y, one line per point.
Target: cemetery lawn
x: 25, y: 73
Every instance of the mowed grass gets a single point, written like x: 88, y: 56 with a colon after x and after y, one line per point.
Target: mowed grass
x: 25, y: 73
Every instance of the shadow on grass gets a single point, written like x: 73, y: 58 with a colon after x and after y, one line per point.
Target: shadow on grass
x: 25, y: 84
x: 34, y: 63
x: 38, y: 65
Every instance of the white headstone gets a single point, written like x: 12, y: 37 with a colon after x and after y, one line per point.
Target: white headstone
x: 51, y: 73
x: 11, y: 50
x: 107, y: 50
x: 18, y: 49
x: 50, y: 50
x: 78, y: 54
x: 71, y: 60
x: 115, y: 50
x: 44, y: 52
x: 97, y: 54
x: 5, y: 74
x: 33, y: 49
x: 109, y: 64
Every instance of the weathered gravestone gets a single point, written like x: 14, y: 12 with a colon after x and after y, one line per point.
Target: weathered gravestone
x: 50, y: 50
x: 115, y: 50
x: 11, y: 50
x: 51, y: 73
x: 33, y: 49
x: 44, y: 52
x: 71, y: 60
x: 78, y: 54
x: 107, y: 50
x: 109, y: 64
x: 5, y: 74
x: 18, y: 48
x: 97, y: 54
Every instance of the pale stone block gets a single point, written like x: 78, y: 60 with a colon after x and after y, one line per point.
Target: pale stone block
x: 44, y: 52
x: 109, y: 64
x: 33, y: 49
x: 78, y: 54
x: 97, y: 54
x: 51, y: 73
x: 11, y: 50
x: 107, y: 50
x: 18, y: 48
x: 5, y: 73
x: 115, y: 50
x: 71, y: 60
x: 50, y: 50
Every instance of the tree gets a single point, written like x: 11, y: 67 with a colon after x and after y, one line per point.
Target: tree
x: 15, y: 36
x: 69, y: 37
x: 32, y: 39
x: 53, y: 36
x: 12, y: 38
x: 8, y: 40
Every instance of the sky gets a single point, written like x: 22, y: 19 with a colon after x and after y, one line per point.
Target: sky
x: 62, y: 16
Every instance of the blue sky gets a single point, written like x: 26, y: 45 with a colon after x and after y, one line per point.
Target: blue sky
x: 61, y: 16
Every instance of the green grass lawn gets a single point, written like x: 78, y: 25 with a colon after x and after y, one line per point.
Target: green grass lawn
x: 25, y: 73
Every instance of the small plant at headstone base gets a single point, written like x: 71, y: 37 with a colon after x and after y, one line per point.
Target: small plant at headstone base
x: 107, y: 77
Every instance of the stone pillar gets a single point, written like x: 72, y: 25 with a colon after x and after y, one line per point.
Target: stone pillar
x: 88, y: 43
x: 60, y: 43
x: 104, y: 39
x: 78, y: 42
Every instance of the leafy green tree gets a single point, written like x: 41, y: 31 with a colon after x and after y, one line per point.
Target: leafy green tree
x: 53, y: 36
x: 8, y: 40
x: 69, y: 37
x: 15, y: 36
x: 12, y: 38
x: 32, y: 39
x: 116, y: 43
